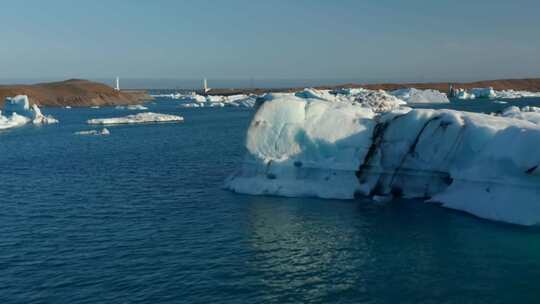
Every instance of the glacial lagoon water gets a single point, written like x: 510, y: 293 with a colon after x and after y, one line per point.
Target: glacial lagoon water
x: 141, y: 216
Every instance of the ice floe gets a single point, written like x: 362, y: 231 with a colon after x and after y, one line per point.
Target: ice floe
x: 146, y: 117
x: 490, y: 93
x: 412, y: 95
x: 482, y: 164
x: 194, y: 100
x: 131, y: 107
x: 102, y: 132
x: 22, y: 113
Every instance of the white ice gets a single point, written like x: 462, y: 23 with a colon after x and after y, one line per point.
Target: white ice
x: 307, y: 146
x: 131, y: 107
x: 102, y: 132
x: 146, y: 117
x: 527, y: 113
x: 412, y: 95
x: 22, y: 113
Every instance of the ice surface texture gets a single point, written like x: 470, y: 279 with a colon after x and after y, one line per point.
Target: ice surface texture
x: 308, y: 146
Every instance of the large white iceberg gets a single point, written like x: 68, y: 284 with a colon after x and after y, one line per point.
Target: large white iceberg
x: 412, y: 95
x: 485, y: 165
x: 22, y: 113
x: 146, y: 117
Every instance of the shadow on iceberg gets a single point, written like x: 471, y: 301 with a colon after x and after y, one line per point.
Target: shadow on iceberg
x: 481, y: 164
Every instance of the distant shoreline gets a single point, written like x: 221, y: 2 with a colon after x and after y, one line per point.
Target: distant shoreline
x: 526, y: 84
x: 84, y: 93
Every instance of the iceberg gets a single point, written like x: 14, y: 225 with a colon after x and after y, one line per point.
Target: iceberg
x: 483, y: 92
x: 412, y: 95
x: 131, y: 107
x: 146, y: 117
x: 13, y: 121
x: 512, y: 94
x: 492, y: 94
x: 22, y: 113
x: 464, y: 95
x: 485, y: 165
x: 102, y: 132
x: 194, y: 100
x: 39, y: 118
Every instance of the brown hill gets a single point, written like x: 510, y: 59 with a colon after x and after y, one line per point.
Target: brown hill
x: 73, y: 92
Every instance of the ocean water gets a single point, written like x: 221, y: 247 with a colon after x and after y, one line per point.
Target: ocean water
x: 140, y: 216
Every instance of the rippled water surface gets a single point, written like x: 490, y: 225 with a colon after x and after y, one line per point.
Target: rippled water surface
x: 140, y: 216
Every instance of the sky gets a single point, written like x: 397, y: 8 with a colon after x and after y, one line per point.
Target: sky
x: 342, y: 40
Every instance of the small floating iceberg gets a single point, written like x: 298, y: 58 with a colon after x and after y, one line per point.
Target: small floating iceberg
x: 22, y: 113
x: 412, y: 95
x: 131, y: 107
x: 13, y: 121
x: 146, y: 117
x: 103, y: 132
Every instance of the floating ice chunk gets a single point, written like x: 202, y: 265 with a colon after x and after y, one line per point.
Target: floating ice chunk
x: 486, y: 165
x: 412, y: 95
x: 103, y: 132
x: 20, y: 105
x: 464, y: 95
x: 12, y: 121
x: 39, y: 118
x: 131, y: 107
x: 512, y: 94
x: 94, y: 107
x: 483, y: 92
x: 378, y: 101
x: 146, y: 117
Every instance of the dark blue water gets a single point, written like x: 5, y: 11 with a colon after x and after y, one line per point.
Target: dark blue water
x: 140, y: 217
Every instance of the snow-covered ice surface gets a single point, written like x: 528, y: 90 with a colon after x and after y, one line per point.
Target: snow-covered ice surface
x: 308, y: 146
x: 527, y: 113
x: 464, y: 95
x: 412, y: 95
x: 512, y: 94
x: 22, y: 113
x: 146, y: 117
x: 375, y: 100
x: 490, y: 93
x: 194, y: 100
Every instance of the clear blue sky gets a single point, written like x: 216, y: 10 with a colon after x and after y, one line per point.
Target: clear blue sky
x: 377, y: 40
